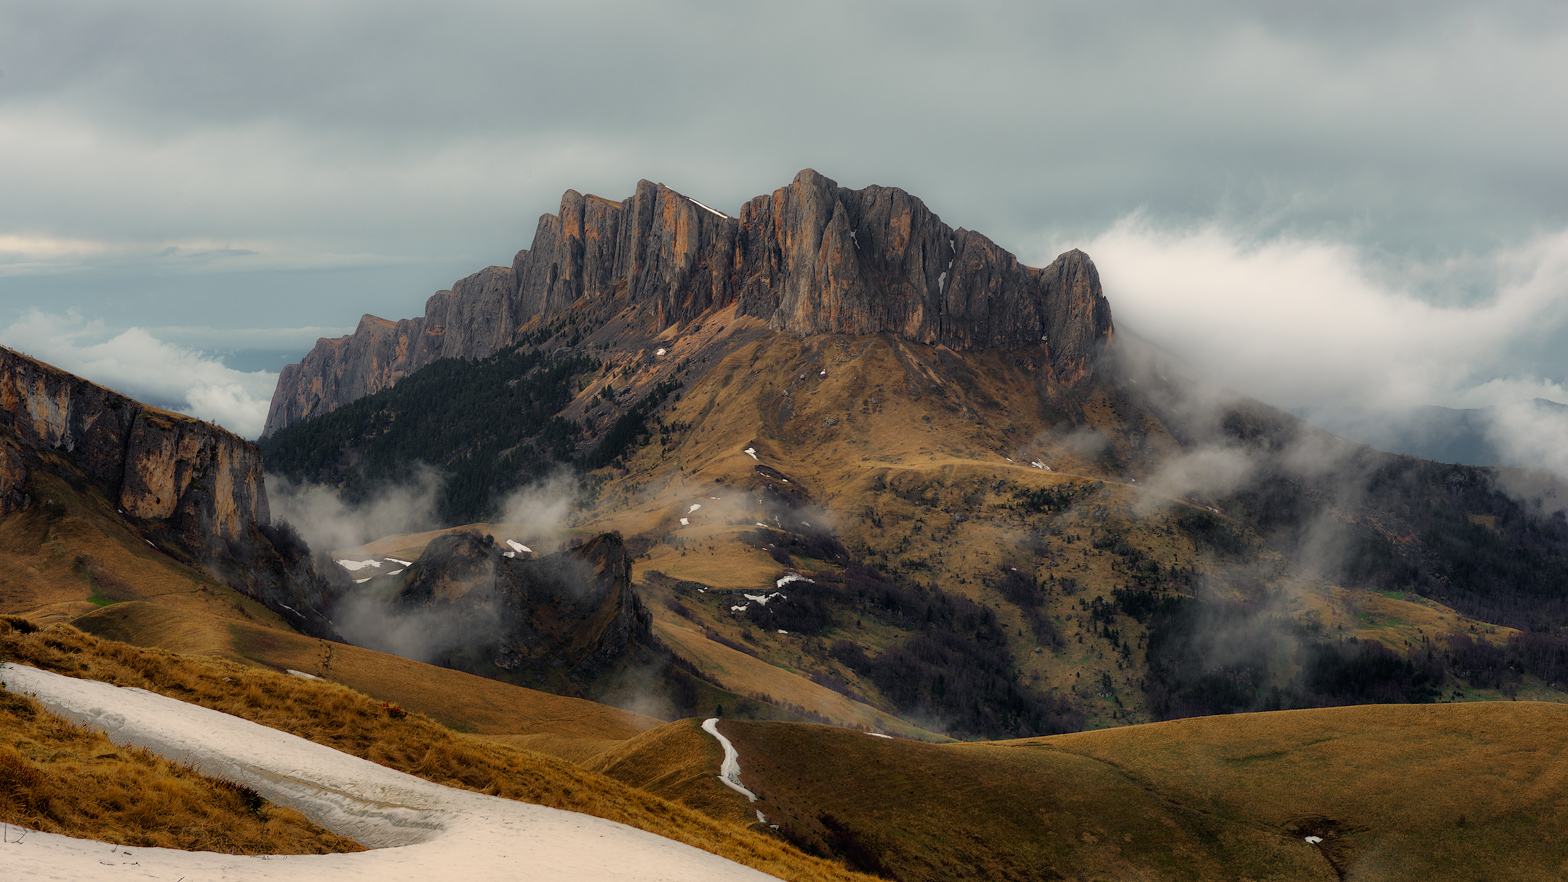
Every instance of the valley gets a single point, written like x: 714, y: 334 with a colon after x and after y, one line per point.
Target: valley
x: 891, y: 507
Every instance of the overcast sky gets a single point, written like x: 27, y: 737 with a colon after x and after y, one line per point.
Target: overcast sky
x: 1316, y: 203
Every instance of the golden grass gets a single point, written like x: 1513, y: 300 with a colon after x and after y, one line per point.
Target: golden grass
x: 745, y: 675
x: 457, y: 700
x: 357, y: 724
x: 70, y: 553
x: 62, y: 778
x: 1439, y: 792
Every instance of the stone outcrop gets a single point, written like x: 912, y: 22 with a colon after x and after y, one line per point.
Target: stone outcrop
x: 196, y: 488
x: 809, y: 258
x: 558, y: 622
x: 152, y: 463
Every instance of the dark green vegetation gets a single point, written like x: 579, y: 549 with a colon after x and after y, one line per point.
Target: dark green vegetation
x: 490, y: 426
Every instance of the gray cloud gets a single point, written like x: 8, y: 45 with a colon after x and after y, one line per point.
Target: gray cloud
x: 140, y: 365
x: 317, y: 161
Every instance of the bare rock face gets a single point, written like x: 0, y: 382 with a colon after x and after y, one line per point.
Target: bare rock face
x: 195, y: 486
x: 809, y: 258
x: 559, y: 621
x: 156, y: 464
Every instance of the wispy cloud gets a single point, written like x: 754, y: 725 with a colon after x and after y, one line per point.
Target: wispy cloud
x: 136, y: 363
x: 1305, y: 321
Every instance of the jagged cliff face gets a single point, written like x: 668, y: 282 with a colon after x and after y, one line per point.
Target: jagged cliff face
x: 156, y: 464
x: 193, y: 490
x: 810, y: 258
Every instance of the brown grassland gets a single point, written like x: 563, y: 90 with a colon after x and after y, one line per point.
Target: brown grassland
x: 352, y: 722
x: 1434, y: 792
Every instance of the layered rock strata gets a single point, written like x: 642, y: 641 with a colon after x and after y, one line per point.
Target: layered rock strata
x: 153, y: 463
x: 809, y: 258
x: 196, y: 488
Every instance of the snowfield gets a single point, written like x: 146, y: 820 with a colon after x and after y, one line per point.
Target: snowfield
x: 416, y: 830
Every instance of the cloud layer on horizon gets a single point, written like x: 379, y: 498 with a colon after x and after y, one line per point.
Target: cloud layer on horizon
x: 135, y: 363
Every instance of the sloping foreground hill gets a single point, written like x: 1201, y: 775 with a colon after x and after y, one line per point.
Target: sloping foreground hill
x: 1462, y: 792
x: 386, y: 734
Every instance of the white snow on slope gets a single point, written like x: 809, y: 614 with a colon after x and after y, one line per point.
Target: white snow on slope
x: 752, y: 452
x: 417, y: 830
x: 518, y: 546
x: 397, y: 561
x: 352, y: 565
x: 700, y: 205
x: 729, y: 771
x: 880, y: 735
x: 694, y: 507
x: 792, y: 577
x: 762, y: 599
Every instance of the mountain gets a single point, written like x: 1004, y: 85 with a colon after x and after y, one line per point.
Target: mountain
x: 1057, y: 559
x: 810, y: 258
x: 1476, y: 436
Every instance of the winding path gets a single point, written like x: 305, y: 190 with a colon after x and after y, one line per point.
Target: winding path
x: 417, y: 830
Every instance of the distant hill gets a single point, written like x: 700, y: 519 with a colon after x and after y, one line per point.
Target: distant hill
x: 1440, y: 434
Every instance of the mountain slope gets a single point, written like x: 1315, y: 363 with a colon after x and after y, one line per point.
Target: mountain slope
x: 810, y: 258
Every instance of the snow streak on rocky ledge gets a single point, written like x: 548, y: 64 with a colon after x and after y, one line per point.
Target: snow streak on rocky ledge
x: 417, y: 830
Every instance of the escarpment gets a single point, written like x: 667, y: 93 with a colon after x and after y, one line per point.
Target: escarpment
x: 810, y: 258
x: 195, y: 488
x: 154, y: 464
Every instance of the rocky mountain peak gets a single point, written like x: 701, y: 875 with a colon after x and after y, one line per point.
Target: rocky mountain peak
x: 809, y: 258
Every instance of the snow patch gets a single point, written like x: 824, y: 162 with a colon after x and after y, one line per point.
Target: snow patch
x: 518, y: 546
x: 706, y: 208
x: 941, y: 282
x: 694, y: 507
x: 508, y: 554
x: 303, y: 674
x: 659, y: 351
x: 396, y: 572
x: 782, y: 631
x: 751, y: 452
x: 354, y: 565
x: 729, y: 770
x: 1314, y: 840
x: 363, y: 581
x: 1039, y: 465
x: 685, y: 522
x: 403, y: 562
x: 792, y: 577
x: 880, y: 735
x: 762, y: 599
x: 415, y: 829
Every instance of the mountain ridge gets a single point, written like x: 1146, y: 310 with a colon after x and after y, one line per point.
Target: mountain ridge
x: 809, y: 258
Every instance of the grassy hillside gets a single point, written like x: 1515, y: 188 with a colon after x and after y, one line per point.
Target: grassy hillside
x: 349, y: 721
x: 1462, y: 792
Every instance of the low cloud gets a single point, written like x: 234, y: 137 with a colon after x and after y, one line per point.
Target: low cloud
x: 541, y: 511
x: 1206, y: 472
x: 1534, y: 433
x: 330, y: 523
x: 1297, y: 321
x: 138, y: 364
